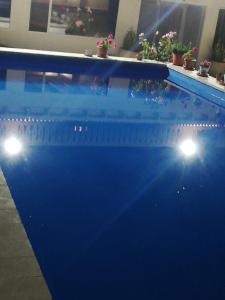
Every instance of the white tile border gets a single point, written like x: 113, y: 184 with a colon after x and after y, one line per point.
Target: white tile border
x: 77, y: 55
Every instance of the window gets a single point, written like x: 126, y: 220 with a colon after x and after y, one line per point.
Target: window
x: 220, y: 30
x: 39, y: 15
x: 74, y: 17
x: 168, y: 16
x: 5, y: 9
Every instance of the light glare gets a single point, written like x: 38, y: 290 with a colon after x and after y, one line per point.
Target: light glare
x: 188, y: 148
x: 12, y: 146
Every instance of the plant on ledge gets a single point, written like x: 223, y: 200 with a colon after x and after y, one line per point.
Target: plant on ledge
x: 204, y: 68
x: 165, y: 46
x: 189, y: 59
x: 144, y: 43
x: 104, y: 44
x: 178, y: 50
x: 149, y: 49
x: 129, y: 40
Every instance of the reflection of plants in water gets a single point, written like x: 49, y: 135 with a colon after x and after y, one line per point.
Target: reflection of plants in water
x: 151, y: 90
x: 99, y: 86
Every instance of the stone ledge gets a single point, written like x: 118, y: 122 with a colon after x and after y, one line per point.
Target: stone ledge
x: 210, y: 81
x: 78, y: 55
x: 20, y: 274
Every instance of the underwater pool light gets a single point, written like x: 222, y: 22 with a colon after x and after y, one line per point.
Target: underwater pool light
x: 188, y: 148
x: 12, y: 146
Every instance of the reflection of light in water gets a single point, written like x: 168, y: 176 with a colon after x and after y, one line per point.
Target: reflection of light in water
x: 188, y: 148
x: 12, y: 146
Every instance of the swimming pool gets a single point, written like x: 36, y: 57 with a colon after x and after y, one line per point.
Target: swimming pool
x: 112, y: 208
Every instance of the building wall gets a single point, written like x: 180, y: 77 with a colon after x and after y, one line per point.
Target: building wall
x: 18, y: 34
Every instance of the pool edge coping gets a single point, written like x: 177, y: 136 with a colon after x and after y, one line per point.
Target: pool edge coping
x: 209, y: 81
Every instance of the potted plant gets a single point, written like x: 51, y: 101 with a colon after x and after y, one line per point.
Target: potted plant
x: 149, y: 49
x: 218, y: 59
x: 129, y: 45
x: 178, y: 50
x: 104, y: 44
x: 204, y: 68
x: 145, y: 45
x: 159, y: 48
x: 189, y: 60
x: 165, y: 46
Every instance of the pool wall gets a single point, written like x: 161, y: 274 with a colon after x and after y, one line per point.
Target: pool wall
x: 112, y: 67
x: 197, y: 87
x: 72, y: 63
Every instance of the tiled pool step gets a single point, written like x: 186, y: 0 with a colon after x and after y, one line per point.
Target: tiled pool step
x: 20, y: 275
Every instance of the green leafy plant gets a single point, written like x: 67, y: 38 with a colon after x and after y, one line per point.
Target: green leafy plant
x: 161, y: 48
x: 180, y: 49
x: 149, y: 49
x: 129, y: 40
x: 145, y: 44
x: 165, y: 46
x: 218, y: 52
x: 189, y: 55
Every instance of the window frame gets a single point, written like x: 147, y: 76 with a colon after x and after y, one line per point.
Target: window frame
x: 55, y: 30
x: 185, y: 4
x: 5, y: 22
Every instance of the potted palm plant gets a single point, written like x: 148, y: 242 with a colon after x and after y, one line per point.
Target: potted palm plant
x: 178, y: 50
x: 189, y: 60
x: 104, y: 44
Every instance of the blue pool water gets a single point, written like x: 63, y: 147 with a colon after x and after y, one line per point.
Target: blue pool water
x: 111, y: 206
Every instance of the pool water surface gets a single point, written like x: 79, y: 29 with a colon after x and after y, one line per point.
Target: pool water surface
x: 111, y: 206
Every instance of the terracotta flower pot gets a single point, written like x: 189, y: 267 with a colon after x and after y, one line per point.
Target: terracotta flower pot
x: 177, y: 59
x: 102, y: 52
x: 189, y: 64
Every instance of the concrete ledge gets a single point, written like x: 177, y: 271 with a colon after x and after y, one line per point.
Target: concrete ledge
x: 202, y: 87
x: 20, y: 274
x: 78, y: 55
x: 209, y: 81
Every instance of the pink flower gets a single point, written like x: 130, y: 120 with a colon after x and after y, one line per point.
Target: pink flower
x: 79, y: 23
x: 170, y: 35
x: 141, y: 35
x: 110, y: 37
x: 195, y: 50
x: 99, y: 42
